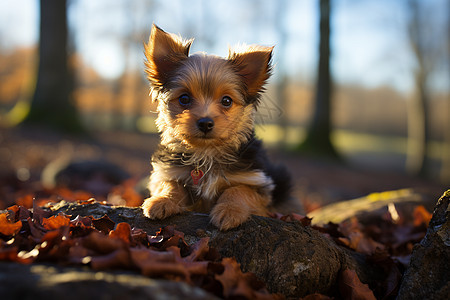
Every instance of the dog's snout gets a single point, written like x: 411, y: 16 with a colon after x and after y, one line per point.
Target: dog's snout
x: 205, y: 124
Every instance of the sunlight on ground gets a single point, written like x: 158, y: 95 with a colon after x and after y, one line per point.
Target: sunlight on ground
x: 346, y: 141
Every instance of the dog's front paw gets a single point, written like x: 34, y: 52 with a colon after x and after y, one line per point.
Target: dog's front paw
x: 229, y: 215
x: 160, y: 207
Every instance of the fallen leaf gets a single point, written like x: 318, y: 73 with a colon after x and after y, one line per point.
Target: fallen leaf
x: 55, y: 222
x: 154, y: 263
x: 100, y: 243
x: 8, y: 228
x: 352, y: 288
x: 104, y: 224
x: 421, y: 216
x: 82, y: 222
x: 122, y: 232
x: 17, y: 212
x: 39, y: 214
x: 230, y: 278
x: 354, y: 238
x: 117, y: 259
x: 305, y: 221
x: 199, y: 250
x: 388, y: 287
x: 139, y: 237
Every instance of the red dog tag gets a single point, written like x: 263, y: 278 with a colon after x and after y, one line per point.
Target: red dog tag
x: 196, y: 176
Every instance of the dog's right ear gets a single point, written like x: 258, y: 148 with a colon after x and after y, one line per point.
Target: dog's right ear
x: 164, y: 52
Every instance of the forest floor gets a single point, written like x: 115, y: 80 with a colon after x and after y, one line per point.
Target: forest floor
x: 28, y: 155
x: 25, y: 153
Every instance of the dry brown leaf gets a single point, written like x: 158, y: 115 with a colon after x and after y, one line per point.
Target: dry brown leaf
x: 55, y: 222
x: 8, y: 228
x: 103, y: 224
x: 199, y: 250
x: 100, y: 243
x: 122, y: 232
x: 421, y: 216
x: 117, y: 259
x: 18, y: 213
x: 352, y: 288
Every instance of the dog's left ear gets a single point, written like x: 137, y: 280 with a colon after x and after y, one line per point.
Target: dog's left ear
x: 164, y: 52
x: 254, y: 65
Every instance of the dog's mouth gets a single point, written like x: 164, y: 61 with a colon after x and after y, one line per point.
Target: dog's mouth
x: 202, y: 140
x: 205, y: 136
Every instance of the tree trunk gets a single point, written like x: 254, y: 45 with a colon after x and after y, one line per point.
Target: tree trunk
x: 318, y: 138
x: 418, y: 136
x: 418, y: 130
x: 445, y: 169
x: 52, y: 104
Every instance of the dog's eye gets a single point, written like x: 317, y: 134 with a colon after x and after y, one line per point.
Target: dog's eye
x: 184, y: 100
x: 226, y: 101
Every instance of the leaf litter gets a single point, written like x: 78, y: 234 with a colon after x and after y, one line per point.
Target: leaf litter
x: 29, y: 236
x: 34, y: 235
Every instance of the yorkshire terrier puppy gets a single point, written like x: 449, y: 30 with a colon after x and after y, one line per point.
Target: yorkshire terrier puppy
x: 209, y: 159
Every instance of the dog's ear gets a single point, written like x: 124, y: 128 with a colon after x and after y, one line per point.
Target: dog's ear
x: 164, y: 53
x: 253, y: 63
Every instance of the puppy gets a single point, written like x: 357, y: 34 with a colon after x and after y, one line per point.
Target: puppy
x: 209, y: 159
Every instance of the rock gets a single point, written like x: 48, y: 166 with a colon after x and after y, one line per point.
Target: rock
x: 428, y: 274
x: 43, y: 281
x: 95, y: 176
x: 292, y: 259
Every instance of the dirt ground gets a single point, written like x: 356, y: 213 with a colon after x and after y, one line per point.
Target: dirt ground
x: 25, y: 153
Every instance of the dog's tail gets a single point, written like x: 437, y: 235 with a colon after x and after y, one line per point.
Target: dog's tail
x: 282, y: 199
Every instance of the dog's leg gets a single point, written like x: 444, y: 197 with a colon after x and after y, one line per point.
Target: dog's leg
x: 235, y: 206
x: 169, y: 199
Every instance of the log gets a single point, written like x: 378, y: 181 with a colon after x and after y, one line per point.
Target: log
x: 363, y: 207
x: 428, y: 274
x: 292, y: 259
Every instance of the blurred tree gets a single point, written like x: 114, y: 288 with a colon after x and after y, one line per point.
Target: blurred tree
x: 318, y: 137
x: 52, y: 104
x: 282, y: 82
x: 418, y: 123
x: 445, y: 170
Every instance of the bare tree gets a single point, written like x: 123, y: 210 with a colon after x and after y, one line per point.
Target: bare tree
x: 318, y: 138
x: 283, y: 79
x: 52, y: 104
x: 418, y: 123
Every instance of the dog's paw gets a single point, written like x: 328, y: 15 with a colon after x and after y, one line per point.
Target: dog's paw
x: 229, y: 215
x: 160, y: 207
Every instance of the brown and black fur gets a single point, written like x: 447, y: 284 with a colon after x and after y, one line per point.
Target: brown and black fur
x: 208, y: 134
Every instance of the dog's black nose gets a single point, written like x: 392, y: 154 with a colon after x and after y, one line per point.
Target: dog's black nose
x: 205, y: 124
